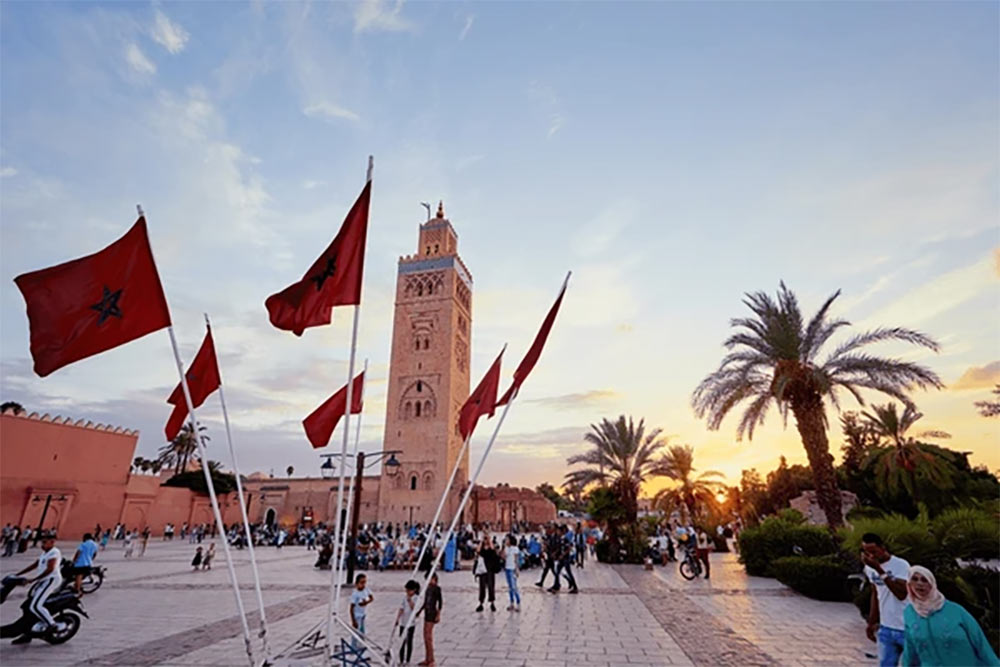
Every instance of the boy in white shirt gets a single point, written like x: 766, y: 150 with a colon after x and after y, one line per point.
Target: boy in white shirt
x: 360, y: 598
x: 888, y: 575
x: 49, y: 580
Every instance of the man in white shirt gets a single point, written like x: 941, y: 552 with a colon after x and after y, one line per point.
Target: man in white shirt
x: 888, y: 575
x: 49, y: 581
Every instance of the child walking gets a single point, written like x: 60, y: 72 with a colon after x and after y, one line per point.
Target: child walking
x: 433, y: 604
x: 206, y: 564
x: 360, y: 598
x: 196, y: 561
x: 511, y: 568
x: 402, y: 616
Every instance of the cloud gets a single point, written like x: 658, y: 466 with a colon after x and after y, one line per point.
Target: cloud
x: 979, y: 377
x: 465, y: 29
x: 168, y: 34
x: 550, y: 105
x: 137, y: 60
x: 329, y: 110
x: 586, y: 399
x: 6, y: 172
x: 375, y: 15
x: 996, y: 261
x: 311, y: 184
x: 551, y: 443
x: 556, y: 122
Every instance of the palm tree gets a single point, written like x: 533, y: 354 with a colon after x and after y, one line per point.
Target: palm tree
x: 574, y: 492
x: 214, y: 467
x: 621, y: 459
x: 990, y: 408
x: 12, y: 405
x: 137, y: 463
x: 774, y: 359
x: 290, y: 470
x: 898, y: 464
x: 689, y: 493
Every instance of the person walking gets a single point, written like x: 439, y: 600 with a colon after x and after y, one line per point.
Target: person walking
x: 206, y: 563
x: 402, y: 617
x: 10, y: 541
x: 48, y: 580
x: 939, y: 631
x: 580, y: 545
x: 512, y: 566
x: 104, y: 539
x: 129, y: 539
x: 888, y: 575
x: 551, y: 555
x: 196, y: 561
x: 485, y: 570
x: 704, y: 547
x: 565, y: 562
x: 433, y: 605
x: 145, y: 541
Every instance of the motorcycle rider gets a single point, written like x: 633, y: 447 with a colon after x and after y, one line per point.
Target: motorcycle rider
x: 49, y: 581
x: 83, y: 560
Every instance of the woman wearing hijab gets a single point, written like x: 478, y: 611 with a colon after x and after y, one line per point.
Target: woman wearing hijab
x: 939, y: 631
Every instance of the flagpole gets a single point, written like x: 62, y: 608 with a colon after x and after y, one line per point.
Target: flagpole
x: 451, y: 528
x: 211, y: 494
x: 354, y: 457
x: 335, y: 583
x: 243, y: 512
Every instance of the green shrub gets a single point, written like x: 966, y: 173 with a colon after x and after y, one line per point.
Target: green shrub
x: 967, y: 533
x: 792, y: 515
x: 776, y: 538
x: 910, y: 539
x: 817, y: 577
x: 603, y: 551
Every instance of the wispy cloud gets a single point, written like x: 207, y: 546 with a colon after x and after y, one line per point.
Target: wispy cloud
x: 551, y: 106
x: 168, y: 34
x: 586, y: 399
x: 979, y: 377
x: 465, y: 29
x: 311, y: 184
x: 375, y: 15
x: 137, y: 60
x: 330, y: 111
x: 6, y: 172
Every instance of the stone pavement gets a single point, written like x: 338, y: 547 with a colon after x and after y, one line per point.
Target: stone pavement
x: 155, y: 610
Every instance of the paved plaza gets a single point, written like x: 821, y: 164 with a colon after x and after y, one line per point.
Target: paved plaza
x: 155, y: 611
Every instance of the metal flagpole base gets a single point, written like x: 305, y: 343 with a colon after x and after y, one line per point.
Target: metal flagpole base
x: 309, y: 649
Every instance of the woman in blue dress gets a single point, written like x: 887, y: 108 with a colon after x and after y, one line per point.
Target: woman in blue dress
x: 939, y: 631
x: 449, y: 555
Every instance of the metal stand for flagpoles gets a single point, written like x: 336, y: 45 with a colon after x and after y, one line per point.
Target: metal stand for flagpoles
x: 354, y: 457
x: 246, y: 519
x: 211, y: 494
x: 335, y: 582
x: 451, y: 529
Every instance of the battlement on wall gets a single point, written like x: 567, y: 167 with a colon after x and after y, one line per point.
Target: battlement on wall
x: 68, y: 421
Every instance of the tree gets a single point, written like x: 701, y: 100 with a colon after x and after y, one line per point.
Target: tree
x: 774, y: 359
x: 753, y: 496
x: 552, y: 494
x: 898, y: 464
x: 572, y: 496
x: 990, y: 408
x: 215, y: 468
x: 689, y: 492
x: 137, y: 463
x: 290, y: 470
x: 178, y: 451
x: 860, y: 439
x: 786, y: 482
x: 12, y: 405
x: 622, y: 458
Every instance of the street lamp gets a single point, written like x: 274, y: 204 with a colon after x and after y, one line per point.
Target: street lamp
x: 360, y: 466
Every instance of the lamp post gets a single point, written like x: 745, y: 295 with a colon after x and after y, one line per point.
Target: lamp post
x: 328, y: 469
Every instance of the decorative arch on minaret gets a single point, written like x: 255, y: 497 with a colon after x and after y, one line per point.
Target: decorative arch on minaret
x: 419, y: 401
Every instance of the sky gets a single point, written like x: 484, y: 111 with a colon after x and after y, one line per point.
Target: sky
x: 672, y: 155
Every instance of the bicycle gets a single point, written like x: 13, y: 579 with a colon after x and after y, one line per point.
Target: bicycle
x: 691, y: 566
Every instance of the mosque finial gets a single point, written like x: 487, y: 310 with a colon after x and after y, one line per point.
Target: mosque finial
x: 440, y: 212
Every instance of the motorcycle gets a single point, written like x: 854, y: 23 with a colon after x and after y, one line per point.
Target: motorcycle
x: 92, y: 578
x: 64, y: 607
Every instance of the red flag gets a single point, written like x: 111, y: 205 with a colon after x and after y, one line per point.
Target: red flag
x: 333, y: 280
x: 535, y: 351
x: 203, y: 378
x: 320, y: 424
x: 95, y: 303
x: 482, y: 401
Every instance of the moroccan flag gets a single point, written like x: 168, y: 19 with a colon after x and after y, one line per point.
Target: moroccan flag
x: 92, y: 304
x: 333, y: 280
x: 535, y: 351
x: 320, y: 424
x: 203, y: 378
x: 482, y: 401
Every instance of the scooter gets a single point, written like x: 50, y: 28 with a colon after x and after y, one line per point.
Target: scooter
x: 92, y: 578
x: 64, y: 607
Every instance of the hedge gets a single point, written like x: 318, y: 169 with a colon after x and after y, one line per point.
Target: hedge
x: 777, y: 537
x: 817, y: 577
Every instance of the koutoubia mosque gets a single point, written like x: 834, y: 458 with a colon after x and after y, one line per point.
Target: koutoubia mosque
x: 48, y: 467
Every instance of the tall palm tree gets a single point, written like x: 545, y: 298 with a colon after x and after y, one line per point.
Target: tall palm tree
x: 689, y: 492
x: 898, y: 464
x: 574, y: 491
x: 178, y: 451
x: 290, y: 470
x: 622, y: 458
x: 774, y: 359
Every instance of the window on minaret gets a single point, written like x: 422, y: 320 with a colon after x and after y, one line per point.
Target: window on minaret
x: 418, y: 343
x: 428, y: 250
x: 420, y: 386
x: 408, y: 410
x: 427, y: 343
x: 435, y: 248
x: 427, y: 408
x: 413, y: 483
x: 418, y: 409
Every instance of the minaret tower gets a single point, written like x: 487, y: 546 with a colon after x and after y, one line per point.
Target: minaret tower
x: 428, y: 377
